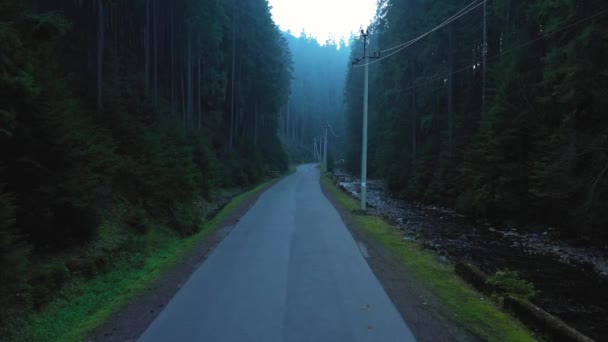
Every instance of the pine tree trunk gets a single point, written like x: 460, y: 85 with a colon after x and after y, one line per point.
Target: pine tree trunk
x: 240, y: 102
x: 302, y: 132
x: 232, y: 100
x: 147, y: 47
x: 256, y: 125
x: 414, y: 119
x: 100, y: 51
x: 200, y: 93
x: 450, y: 90
x: 484, y: 51
x: 288, y: 126
x: 182, y: 72
x: 190, y: 97
x: 155, y: 48
x: 173, y: 81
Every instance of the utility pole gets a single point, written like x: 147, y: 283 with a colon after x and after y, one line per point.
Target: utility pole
x: 317, y: 149
x: 365, y: 59
x: 325, y: 148
x: 324, y: 142
x: 324, y: 139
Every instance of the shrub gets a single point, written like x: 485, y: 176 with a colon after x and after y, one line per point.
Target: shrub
x: 45, y: 282
x: 509, y: 282
x: 13, y: 261
x: 187, y: 217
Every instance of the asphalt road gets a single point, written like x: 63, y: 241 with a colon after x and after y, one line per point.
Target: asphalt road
x: 289, y: 271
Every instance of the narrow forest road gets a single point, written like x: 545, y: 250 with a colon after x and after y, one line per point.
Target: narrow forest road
x: 289, y: 271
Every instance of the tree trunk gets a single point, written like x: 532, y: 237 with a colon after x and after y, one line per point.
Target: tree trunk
x: 484, y: 52
x: 302, y: 131
x: 450, y: 91
x: 232, y: 101
x: 256, y: 126
x: 190, y: 97
x: 414, y: 119
x: 240, y: 102
x: 155, y: 48
x: 182, y: 72
x: 288, y: 126
x: 147, y: 34
x: 173, y: 68
x: 200, y: 93
x: 100, y: 51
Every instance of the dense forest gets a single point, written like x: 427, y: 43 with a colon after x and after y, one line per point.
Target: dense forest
x: 120, y: 116
x: 317, y: 97
x: 500, y: 113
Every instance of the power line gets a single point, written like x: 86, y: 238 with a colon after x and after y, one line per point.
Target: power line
x: 453, y: 18
x: 331, y: 129
x: 434, y: 29
x: 413, y: 41
x: 509, y: 50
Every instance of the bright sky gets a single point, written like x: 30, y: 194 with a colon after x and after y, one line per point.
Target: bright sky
x: 320, y: 18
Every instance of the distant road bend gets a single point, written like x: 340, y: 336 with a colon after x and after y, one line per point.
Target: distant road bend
x: 289, y: 271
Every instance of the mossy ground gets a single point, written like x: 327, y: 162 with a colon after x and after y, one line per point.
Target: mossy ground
x: 458, y: 300
x: 86, y: 304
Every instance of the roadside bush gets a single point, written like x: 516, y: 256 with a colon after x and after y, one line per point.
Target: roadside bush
x: 206, y: 162
x: 82, y: 266
x: 272, y: 153
x: 45, y: 282
x: 187, y: 217
x: 13, y: 262
x: 136, y: 218
x: 509, y: 282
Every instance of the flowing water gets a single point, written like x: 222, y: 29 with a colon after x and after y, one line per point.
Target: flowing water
x: 573, y: 281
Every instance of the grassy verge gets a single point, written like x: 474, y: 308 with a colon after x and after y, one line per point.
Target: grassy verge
x: 86, y: 304
x: 459, y: 301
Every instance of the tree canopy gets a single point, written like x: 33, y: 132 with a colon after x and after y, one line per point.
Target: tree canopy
x: 317, y: 97
x: 128, y: 112
x: 499, y: 114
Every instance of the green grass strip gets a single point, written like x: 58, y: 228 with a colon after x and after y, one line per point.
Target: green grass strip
x: 87, y: 304
x: 458, y: 300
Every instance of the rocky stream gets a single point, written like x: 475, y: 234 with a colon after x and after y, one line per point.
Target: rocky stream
x: 572, y: 280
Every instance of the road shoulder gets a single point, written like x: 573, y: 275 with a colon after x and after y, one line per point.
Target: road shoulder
x: 421, y: 303
x: 133, y: 319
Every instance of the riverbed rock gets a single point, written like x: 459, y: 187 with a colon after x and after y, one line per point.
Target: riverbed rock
x: 444, y: 260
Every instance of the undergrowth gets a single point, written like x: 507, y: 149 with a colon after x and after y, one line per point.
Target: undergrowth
x: 135, y: 262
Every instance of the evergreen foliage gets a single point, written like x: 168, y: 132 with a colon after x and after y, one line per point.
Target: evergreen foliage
x: 536, y: 154
x: 115, y: 120
x: 316, y: 98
